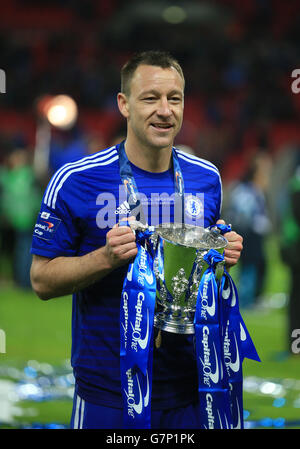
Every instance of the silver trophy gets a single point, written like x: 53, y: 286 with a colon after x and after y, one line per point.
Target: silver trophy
x: 178, y: 268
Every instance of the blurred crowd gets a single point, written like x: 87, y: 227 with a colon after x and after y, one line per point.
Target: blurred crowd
x: 240, y: 111
x: 237, y: 58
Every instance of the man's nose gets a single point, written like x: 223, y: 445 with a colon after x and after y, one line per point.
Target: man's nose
x: 164, y: 108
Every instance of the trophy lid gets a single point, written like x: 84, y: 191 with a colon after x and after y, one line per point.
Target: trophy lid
x: 191, y: 236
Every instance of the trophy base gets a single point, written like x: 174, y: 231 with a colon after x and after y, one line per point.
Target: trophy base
x: 176, y: 325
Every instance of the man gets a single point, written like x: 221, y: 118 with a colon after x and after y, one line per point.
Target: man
x: 75, y: 252
x: 247, y: 204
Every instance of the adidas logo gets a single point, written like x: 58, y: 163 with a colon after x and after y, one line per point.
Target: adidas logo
x: 123, y: 208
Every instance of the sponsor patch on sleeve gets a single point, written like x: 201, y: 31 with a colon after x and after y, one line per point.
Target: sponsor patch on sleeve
x: 46, y: 226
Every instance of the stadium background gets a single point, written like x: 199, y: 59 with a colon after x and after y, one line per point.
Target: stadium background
x: 238, y: 59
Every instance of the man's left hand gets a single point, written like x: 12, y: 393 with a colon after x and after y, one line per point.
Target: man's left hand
x: 234, y: 248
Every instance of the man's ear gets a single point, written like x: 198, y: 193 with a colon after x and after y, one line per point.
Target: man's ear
x: 123, y: 104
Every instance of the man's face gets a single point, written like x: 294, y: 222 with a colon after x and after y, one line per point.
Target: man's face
x: 154, y: 108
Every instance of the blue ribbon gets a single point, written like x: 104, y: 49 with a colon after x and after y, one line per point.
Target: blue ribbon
x: 136, y: 332
x: 222, y: 343
x: 213, y: 393
x: 238, y: 345
x: 222, y: 227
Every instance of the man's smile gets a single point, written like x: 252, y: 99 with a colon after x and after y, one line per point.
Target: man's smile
x: 162, y: 126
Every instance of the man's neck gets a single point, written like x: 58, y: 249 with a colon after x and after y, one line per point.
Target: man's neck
x: 155, y: 160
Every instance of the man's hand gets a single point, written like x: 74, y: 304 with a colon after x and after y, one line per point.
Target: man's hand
x: 234, y: 248
x: 120, y: 245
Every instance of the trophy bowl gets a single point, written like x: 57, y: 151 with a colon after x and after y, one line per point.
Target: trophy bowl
x: 179, y: 267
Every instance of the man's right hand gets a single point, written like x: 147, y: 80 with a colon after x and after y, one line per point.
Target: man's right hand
x: 120, y: 245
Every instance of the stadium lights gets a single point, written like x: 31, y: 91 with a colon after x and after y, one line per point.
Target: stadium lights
x: 61, y: 111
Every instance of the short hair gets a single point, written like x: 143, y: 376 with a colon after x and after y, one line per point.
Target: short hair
x: 157, y: 58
